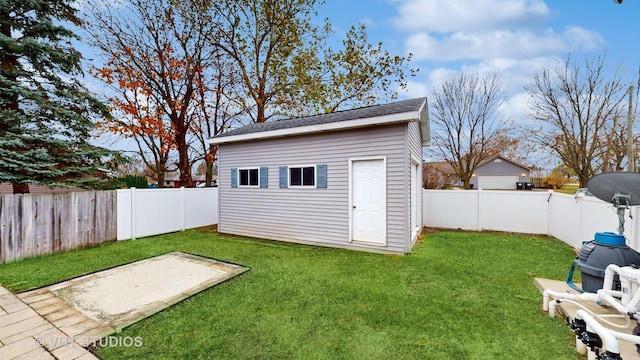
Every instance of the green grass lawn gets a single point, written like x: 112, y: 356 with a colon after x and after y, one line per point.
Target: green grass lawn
x: 568, y: 189
x: 458, y: 295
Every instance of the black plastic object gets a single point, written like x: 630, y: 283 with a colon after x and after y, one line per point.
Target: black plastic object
x: 605, y: 186
x: 596, y: 255
x: 579, y: 326
x: 608, y: 355
x: 636, y: 332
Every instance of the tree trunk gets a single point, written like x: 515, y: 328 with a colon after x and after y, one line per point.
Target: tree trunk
x: 160, y: 177
x: 583, y: 180
x: 183, y: 160
x: 260, y: 117
x: 20, y: 188
x: 209, y: 159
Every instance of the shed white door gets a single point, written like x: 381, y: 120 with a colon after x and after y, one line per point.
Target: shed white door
x: 497, y: 182
x: 369, y: 201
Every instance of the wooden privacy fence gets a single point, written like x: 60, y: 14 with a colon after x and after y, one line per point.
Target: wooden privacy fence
x: 37, y: 224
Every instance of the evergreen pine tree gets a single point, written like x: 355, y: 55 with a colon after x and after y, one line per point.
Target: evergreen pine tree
x: 45, y: 112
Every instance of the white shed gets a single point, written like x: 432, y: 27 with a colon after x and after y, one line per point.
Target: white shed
x: 349, y: 179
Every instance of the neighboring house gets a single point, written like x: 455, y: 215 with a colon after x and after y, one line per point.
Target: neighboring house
x: 202, y: 180
x: 500, y: 173
x: 439, y: 175
x: 172, y: 179
x: 349, y: 179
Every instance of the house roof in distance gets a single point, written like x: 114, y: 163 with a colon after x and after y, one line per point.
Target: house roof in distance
x: 396, y: 112
x: 505, y: 159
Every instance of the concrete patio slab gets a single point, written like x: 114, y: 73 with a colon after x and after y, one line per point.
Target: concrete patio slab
x: 108, y: 300
x: 59, y: 321
x: 121, y: 296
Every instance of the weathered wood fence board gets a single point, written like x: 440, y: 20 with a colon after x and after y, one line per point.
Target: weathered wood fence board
x: 37, y: 224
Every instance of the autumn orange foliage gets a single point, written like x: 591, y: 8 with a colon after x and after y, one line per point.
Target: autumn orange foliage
x: 139, y: 110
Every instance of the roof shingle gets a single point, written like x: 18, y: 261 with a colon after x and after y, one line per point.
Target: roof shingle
x: 359, y: 113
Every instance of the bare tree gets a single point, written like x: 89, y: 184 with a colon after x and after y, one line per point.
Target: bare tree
x: 434, y: 176
x: 576, y: 105
x: 464, y: 120
x: 218, y: 111
x: 509, y: 142
x: 160, y: 47
x: 613, y: 154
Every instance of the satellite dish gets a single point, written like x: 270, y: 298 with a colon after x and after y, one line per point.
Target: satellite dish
x: 622, y: 189
x: 607, y: 186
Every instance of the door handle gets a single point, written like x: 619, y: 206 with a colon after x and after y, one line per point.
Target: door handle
x: 354, y: 206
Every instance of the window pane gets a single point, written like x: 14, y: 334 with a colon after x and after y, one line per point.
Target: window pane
x: 309, y: 176
x: 295, y: 175
x: 253, y: 177
x: 244, y: 177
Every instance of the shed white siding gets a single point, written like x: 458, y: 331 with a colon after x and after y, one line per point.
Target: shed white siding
x: 414, y: 145
x: 316, y: 216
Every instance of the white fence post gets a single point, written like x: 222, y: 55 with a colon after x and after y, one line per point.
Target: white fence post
x: 183, y: 208
x: 133, y: 213
x: 549, y: 205
x: 479, y: 215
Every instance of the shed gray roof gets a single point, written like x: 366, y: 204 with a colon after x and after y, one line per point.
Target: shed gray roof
x: 359, y: 113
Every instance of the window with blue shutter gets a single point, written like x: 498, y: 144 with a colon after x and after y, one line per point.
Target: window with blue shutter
x: 247, y: 177
x: 264, y: 177
x: 321, y: 173
x: 284, y: 179
x: 234, y: 177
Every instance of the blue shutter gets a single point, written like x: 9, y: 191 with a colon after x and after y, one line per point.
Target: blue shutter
x: 234, y: 177
x: 321, y: 176
x: 264, y: 177
x: 284, y: 179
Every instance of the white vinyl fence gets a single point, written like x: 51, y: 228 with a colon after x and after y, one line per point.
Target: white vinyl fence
x: 570, y: 219
x: 147, y: 212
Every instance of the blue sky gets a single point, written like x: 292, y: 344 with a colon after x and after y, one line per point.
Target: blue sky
x: 515, y: 37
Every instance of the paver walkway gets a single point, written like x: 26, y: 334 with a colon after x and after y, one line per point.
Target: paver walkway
x: 24, y: 334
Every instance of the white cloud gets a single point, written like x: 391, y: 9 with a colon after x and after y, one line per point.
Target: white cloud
x: 444, y: 16
x: 414, y: 90
x: 515, y: 74
x: 501, y: 44
x: 87, y: 5
x: 516, y: 108
x: 440, y: 75
x: 367, y: 21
